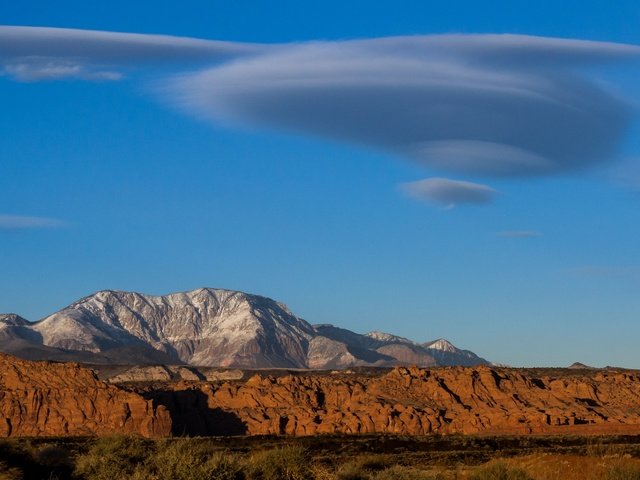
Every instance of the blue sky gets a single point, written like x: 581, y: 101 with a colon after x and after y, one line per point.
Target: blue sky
x: 129, y: 185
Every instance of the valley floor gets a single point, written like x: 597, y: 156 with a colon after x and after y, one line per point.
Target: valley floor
x: 330, y: 457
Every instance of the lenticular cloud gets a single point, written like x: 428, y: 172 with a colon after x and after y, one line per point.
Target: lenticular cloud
x: 449, y: 193
x: 473, y: 105
x: 482, y: 105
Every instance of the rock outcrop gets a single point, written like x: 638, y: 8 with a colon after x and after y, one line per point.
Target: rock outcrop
x: 42, y: 398
x: 409, y: 401
x: 49, y: 399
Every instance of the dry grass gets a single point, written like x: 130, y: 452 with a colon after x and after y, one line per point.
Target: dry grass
x: 113, y: 458
x: 575, y: 467
x: 406, y: 473
x: 499, y: 470
x: 185, y: 460
x: 285, y: 463
x: 318, y: 458
x: 9, y: 473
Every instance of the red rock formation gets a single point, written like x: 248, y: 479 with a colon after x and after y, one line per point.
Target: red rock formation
x: 44, y: 398
x: 412, y: 401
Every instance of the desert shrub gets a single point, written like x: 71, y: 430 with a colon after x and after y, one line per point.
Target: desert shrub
x: 113, y: 458
x: 322, y: 472
x: 10, y: 452
x: 352, y: 471
x: 190, y: 460
x: 286, y: 463
x: 17, y: 461
x: 499, y: 471
x: 11, y: 455
x: 9, y: 473
x: 373, y: 463
x: 623, y: 472
x: 362, y: 467
x: 403, y: 473
x: 52, y: 456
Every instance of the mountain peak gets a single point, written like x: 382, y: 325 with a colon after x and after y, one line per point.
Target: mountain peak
x: 580, y: 366
x: 212, y: 327
x: 13, y: 320
x: 388, y: 337
x: 442, y: 344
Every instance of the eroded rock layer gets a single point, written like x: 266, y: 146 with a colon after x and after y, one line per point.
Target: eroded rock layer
x: 50, y: 399
x: 409, y: 401
x: 44, y: 398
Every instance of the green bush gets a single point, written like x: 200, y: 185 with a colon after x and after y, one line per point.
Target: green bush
x: 186, y: 459
x: 499, y: 471
x: 286, y: 463
x: 113, y: 458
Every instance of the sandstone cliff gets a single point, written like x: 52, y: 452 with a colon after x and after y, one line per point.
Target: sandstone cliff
x: 44, y: 398
x: 409, y: 401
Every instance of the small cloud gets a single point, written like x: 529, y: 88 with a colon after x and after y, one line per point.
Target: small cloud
x: 605, y: 271
x: 36, y: 71
x: 449, y: 193
x: 519, y: 234
x: 16, y: 222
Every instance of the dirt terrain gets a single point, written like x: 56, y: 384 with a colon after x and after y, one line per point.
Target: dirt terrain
x: 44, y: 398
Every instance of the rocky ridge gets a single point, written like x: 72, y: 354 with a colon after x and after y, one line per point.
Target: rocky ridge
x: 44, y: 398
x: 209, y: 327
x: 409, y: 401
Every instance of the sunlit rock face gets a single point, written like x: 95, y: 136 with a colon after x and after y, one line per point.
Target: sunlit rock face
x: 209, y: 327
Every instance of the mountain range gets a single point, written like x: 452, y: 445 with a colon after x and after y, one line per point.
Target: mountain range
x: 209, y: 327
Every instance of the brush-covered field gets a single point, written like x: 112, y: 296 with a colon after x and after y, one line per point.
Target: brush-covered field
x: 323, y: 458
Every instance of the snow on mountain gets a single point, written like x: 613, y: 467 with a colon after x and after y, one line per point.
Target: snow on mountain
x: 445, y: 353
x: 441, y: 344
x: 11, y: 319
x: 14, y: 327
x: 388, y: 338
x: 209, y: 327
x: 205, y: 327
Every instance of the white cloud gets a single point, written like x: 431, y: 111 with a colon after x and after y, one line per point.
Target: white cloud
x: 35, y: 71
x: 449, y: 193
x: 15, y: 222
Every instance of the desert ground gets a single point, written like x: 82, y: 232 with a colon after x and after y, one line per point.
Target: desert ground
x: 339, y: 457
x: 66, y: 420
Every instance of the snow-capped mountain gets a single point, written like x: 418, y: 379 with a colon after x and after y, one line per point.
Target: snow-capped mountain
x: 209, y: 327
x: 445, y: 353
x: 204, y: 327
